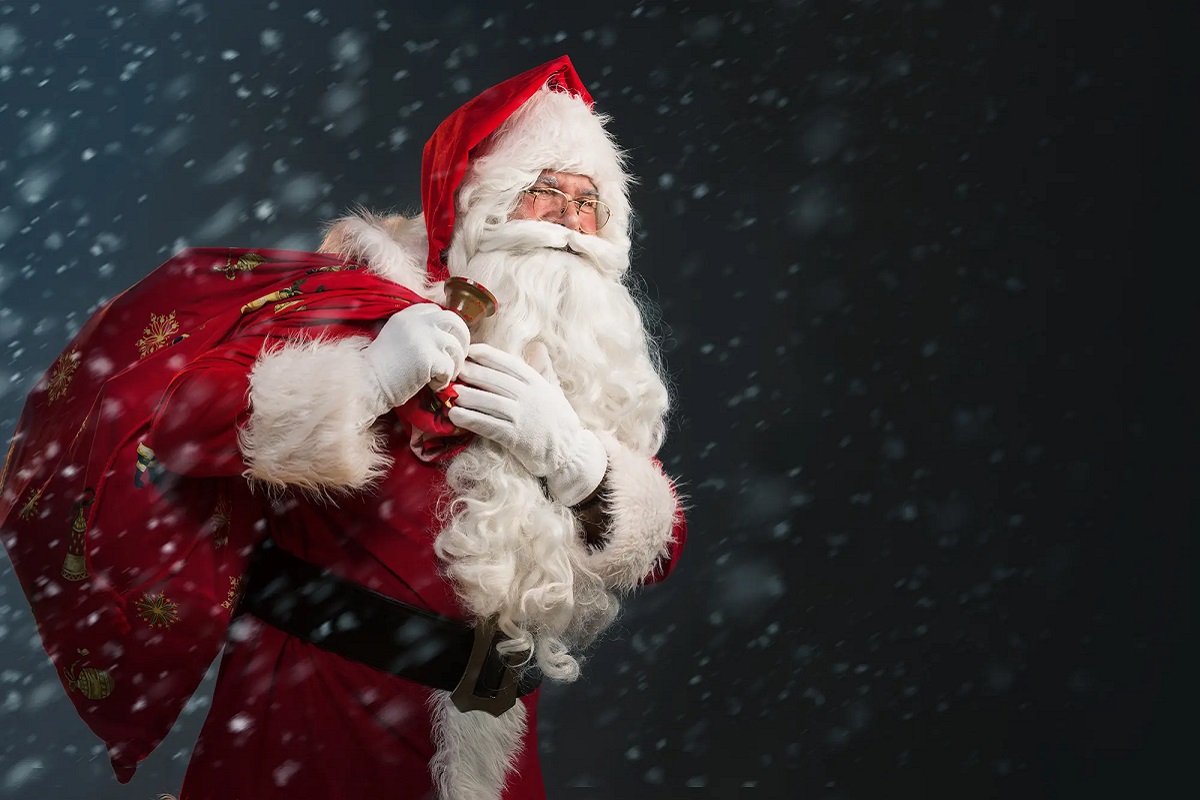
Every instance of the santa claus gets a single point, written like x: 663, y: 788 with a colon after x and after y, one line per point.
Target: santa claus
x: 421, y: 578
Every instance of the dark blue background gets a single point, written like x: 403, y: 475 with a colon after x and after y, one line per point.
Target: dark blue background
x: 901, y: 254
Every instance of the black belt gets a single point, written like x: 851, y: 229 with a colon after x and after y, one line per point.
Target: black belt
x: 354, y: 622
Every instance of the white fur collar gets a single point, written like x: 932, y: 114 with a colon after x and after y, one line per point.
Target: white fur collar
x: 393, y: 247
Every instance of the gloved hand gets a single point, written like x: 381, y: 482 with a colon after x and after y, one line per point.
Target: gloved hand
x: 511, y: 403
x: 422, y: 345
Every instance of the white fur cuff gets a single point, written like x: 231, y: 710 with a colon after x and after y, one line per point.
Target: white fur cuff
x: 312, y: 407
x: 641, y: 508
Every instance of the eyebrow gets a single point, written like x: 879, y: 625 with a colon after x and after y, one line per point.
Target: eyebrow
x: 552, y: 182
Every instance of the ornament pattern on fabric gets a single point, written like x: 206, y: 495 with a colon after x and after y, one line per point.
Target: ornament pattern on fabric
x: 147, y: 466
x: 157, y: 610
x: 158, y: 333
x: 12, y: 445
x: 234, y: 594
x: 282, y: 294
x: 92, y: 683
x: 61, y: 374
x: 222, y: 519
x: 31, y: 504
x: 74, y: 566
x: 245, y: 263
x: 285, y: 306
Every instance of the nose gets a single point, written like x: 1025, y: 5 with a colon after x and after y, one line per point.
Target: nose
x: 569, y: 218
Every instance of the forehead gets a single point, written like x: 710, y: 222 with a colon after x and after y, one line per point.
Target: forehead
x: 568, y: 182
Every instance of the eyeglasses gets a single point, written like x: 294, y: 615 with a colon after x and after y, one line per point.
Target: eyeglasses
x: 593, y: 214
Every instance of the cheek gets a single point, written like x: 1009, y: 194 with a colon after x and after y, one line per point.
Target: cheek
x: 524, y: 210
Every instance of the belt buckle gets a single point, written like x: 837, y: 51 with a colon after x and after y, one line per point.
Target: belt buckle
x: 465, y: 695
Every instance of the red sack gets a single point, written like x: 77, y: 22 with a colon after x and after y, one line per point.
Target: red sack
x: 133, y: 573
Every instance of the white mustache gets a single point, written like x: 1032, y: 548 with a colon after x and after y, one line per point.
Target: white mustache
x: 524, y: 236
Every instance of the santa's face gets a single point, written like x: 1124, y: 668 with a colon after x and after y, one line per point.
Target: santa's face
x: 563, y: 198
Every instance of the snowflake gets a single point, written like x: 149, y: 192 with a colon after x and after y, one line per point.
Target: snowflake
x: 158, y: 333
x: 61, y: 374
x: 157, y: 611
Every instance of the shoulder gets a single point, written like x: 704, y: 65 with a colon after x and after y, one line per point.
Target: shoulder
x: 393, y: 247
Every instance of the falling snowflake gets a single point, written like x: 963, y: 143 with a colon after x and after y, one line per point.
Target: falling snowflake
x: 157, y: 611
x: 158, y: 333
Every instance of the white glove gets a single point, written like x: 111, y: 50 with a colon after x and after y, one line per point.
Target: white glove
x: 422, y: 345
x: 527, y: 413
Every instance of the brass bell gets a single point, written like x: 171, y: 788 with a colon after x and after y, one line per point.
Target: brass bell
x: 470, y: 300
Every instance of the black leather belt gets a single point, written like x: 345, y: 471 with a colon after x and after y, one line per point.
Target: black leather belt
x: 354, y: 622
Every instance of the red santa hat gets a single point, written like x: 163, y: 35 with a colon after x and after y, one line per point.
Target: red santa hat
x: 540, y: 119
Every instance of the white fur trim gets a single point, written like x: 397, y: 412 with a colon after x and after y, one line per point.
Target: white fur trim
x: 641, y: 508
x: 474, y: 750
x: 394, y: 247
x: 312, y: 407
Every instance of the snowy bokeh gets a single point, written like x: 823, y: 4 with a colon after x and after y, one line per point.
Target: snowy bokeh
x: 903, y: 416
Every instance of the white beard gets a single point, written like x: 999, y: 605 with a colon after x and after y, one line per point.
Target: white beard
x: 512, y: 552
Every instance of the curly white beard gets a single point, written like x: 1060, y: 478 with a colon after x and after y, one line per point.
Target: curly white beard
x: 512, y: 552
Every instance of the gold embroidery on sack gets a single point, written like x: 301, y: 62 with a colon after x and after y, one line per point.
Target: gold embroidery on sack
x: 282, y: 294
x: 7, y: 461
x: 161, y: 329
x: 74, y: 566
x: 157, y: 611
x: 61, y: 374
x: 347, y: 266
x: 235, y: 592
x: 222, y: 518
x: 246, y: 262
x: 92, y: 683
x: 146, y: 467
x: 31, y: 504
